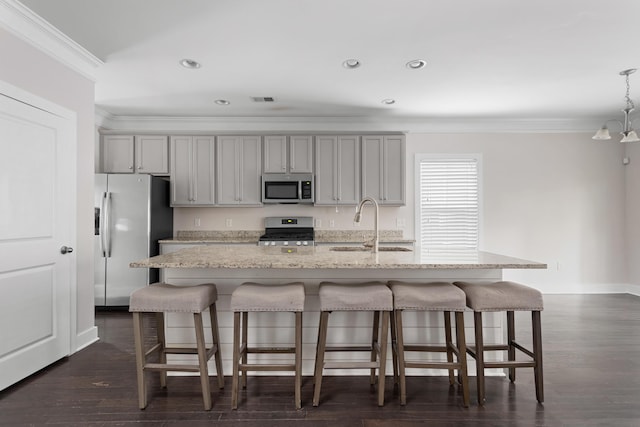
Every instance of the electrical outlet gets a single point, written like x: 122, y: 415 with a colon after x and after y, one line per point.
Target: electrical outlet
x: 228, y: 222
x: 318, y: 223
x: 332, y: 223
x: 196, y: 222
x: 399, y: 222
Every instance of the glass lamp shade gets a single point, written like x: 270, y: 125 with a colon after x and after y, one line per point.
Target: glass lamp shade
x: 630, y: 136
x: 602, y: 133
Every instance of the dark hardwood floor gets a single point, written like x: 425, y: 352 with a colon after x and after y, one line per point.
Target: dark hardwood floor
x: 591, y: 362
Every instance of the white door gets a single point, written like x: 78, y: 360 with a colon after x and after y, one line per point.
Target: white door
x: 37, y: 218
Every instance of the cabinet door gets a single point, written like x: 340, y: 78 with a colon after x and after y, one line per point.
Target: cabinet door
x: 239, y: 170
x: 203, y: 182
x: 301, y: 154
x: 152, y: 154
x: 393, y: 166
x: 348, y: 169
x: 383, y: 168
x: 117, y: 154
x: 181, y: 170
x: 337, y: 170
x: 326, y: 160
x: 192, y: 170
x: 275, y: 154
x: 249, y: 173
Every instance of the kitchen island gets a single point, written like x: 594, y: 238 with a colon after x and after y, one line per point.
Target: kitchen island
x: 230, y: 265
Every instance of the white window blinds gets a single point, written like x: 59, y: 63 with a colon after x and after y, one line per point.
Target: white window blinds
x: 449, y: 202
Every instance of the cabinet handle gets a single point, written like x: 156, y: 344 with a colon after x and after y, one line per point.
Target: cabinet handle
x: 130, y: 167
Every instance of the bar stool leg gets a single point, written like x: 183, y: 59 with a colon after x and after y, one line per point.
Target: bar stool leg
x: 322, y: 343
x: 477, y: 315
x: 215, y: 335
x: 298, y: 381
x: 140, y: 359
x: 537, y: 352
x: 511, y: 337
x: 202, y: 360
x: 394, y: 349
x: 374, y: 341
x: 449, y: 345
x: 245, y: 346
x: 463, y: 374
x: 236, y: 360
x: 161, y: 339
x: 401, y: 362
x: 383, y: 339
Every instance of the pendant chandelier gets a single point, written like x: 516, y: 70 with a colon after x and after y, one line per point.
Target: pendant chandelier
x: 628, y: 134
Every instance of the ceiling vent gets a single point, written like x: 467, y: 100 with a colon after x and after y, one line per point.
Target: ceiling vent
x: 262, y: 99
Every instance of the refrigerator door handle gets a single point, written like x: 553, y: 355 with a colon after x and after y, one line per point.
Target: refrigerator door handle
x: 101, y: 225
x: 107, y: 225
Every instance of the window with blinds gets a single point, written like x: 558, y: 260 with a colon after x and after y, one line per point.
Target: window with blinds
x: 448, y: 205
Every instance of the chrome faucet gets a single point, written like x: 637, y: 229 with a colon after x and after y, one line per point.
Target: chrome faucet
x: 358, y: 216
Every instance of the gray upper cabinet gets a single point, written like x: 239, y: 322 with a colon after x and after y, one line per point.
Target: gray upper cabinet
x: 288, y: 154
x: 192, y: 170
x: 337, y: 163
x: 383, y: 168
x: 238, y: 170
x: 152, y: 154
x: 117, y: 154
x: 135, y: 154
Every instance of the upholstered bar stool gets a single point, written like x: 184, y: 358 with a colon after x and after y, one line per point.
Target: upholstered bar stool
x: 436, y: 296
x: 509, y: 297
x: 375, y: 297
x: 256, y: 297
x: 160, y: 298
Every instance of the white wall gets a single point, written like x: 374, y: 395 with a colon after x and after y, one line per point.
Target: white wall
x: 553, y: 198
x: 25, y: 67
x: 633, y: 215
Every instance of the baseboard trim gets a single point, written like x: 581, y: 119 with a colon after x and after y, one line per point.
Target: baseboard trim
x: 86, y: 338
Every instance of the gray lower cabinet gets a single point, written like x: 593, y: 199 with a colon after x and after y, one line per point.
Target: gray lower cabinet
x: 238, y: 170
x: 383, y: 168
x: 192, y: 170
x: 337, y: 164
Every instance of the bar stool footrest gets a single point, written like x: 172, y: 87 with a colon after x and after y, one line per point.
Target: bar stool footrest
x: 351, y: 365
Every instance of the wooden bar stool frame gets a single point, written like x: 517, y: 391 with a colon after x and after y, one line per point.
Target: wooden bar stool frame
x: 378, y: 350
x: 458, y: 350
x: 535, y: 354
x: 204, y: 354
x: 256, y: 297
x: 241, y: 350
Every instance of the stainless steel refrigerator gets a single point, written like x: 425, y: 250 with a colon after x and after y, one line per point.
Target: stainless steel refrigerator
x: 132, y: 213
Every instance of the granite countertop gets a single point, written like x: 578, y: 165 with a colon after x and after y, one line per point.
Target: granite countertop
x: 252, y: 236
x: 258, y: 257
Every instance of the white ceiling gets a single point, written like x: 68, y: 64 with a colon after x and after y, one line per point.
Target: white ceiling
x: 487, y: 60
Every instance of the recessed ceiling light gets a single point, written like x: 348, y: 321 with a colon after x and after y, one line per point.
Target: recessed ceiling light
x: 416, y: 64
x: 351, y: 64
x: 222, y: 102
x: 190, y: 64
x: 388, y: 101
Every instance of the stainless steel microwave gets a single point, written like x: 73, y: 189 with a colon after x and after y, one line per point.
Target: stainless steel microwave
x: 287, y: 188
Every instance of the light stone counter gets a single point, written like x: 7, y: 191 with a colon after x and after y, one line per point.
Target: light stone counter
x: 322, y: 257
x: 252, y: 236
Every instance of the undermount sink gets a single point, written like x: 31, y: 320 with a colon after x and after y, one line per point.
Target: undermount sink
x: 363, y: 249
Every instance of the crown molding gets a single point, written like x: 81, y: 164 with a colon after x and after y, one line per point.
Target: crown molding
x: 28, y: 26
x: 169, y: 124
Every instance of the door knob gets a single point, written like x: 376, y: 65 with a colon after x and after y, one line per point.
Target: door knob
x: 66, y: 250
